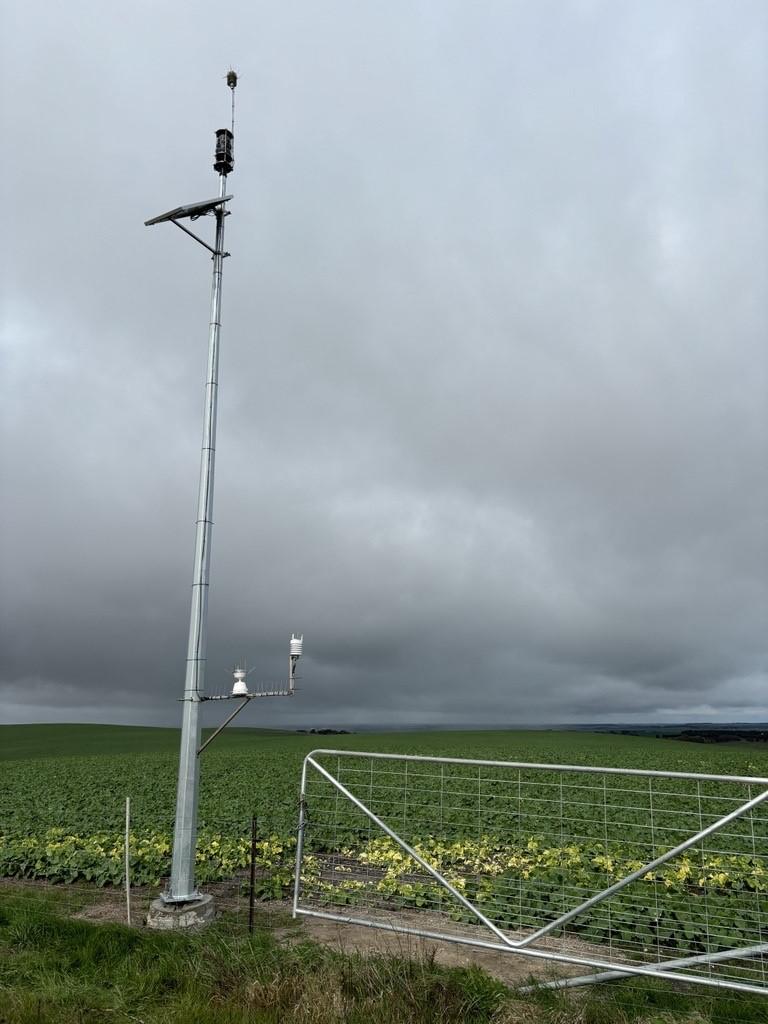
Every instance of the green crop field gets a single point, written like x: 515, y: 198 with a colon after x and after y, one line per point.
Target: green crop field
x: 76, y: 777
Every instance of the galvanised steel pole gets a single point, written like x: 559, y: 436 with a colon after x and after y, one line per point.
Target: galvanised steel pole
x: 182, y: 885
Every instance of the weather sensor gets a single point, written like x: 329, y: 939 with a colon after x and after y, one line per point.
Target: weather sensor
x: 240, y: 687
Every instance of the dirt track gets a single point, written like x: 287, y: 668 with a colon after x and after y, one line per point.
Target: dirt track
x: 511, y: 968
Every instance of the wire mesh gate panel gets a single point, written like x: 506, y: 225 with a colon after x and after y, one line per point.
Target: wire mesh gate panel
x: 627, y: 872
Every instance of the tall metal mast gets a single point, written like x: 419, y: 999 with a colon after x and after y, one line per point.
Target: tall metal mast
x: 182, y: 884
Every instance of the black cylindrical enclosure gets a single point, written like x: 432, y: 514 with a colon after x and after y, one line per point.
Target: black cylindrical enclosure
x: 225, y: 160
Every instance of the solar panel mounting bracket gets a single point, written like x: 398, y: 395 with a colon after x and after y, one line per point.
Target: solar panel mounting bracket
x: 194, y: 211
x: 197, y: 238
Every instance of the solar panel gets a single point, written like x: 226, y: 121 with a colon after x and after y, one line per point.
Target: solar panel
x: 192, y: 210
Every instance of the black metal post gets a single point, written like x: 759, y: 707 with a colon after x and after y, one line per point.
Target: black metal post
x: 252, y: 885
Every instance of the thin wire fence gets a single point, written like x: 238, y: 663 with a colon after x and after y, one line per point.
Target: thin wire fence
x: 570, y: 864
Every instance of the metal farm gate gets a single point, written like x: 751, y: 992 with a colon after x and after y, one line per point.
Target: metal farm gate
x: 623, y: 871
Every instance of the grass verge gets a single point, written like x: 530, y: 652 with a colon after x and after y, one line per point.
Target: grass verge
x: 59, y: 970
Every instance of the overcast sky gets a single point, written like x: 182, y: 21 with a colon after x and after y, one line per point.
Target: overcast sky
x: 494, y: 385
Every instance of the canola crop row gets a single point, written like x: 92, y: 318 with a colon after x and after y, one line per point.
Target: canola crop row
x: 60, y: 857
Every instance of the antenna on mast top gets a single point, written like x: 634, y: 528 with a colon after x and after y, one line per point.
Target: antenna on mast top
x: 225, y: 161
x: 232, y: 83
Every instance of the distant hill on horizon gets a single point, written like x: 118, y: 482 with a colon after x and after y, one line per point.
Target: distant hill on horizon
x: 57, y: 739
x: 30, y: 740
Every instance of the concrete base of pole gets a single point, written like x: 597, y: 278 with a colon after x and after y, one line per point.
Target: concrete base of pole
x: 173, y: 916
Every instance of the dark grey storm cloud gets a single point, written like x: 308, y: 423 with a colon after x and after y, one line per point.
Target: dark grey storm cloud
x: 494, y: 396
